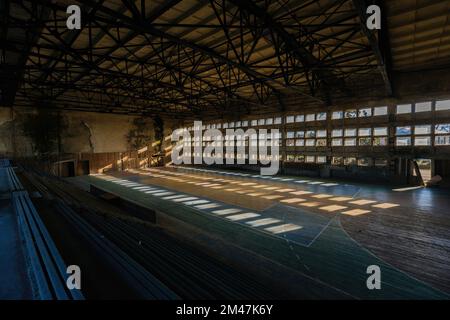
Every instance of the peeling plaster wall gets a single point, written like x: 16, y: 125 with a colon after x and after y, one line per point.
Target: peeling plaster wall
x: 84, y: 132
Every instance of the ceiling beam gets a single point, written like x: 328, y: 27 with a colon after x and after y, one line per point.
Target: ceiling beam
x: 378, y: 41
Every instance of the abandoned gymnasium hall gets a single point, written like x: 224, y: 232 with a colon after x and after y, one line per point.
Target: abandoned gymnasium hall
x: 225, y: 150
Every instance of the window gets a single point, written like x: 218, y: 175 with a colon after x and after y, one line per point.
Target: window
x: 380, y: 141
x: 404, y: 108
x: 424, y: 129
x: 290, y: 134
x: 231, y: 124
x: 350, y: 142
x: 337, y: 115
x: 310, y: 134
x: 290, y: 157
x: 321, y: 142
x: 442, y: 105
x: 403, y: 131
x: 300, y: 159
x: 423, y: 106
x: 403, y: 141
x: 225, y: 125
x: 269, y: 121
x: 290, y: 119
x: 349, y: 161
x: 336, y: 142
x: 321, y: 116
x: 300, y: 118
x: 350, y: 132
x: 261, y: 122
x: 383, y: 131
x: 365, y: 142
x: 442, y: 129
x: 321, y: 159
x: 337, y: 161
x: 442, y: 140
x: 300, y: 143
x: 310, y: 117
x: 422, y: 141
x: 364, y: 162
x: 321, y: 133
x: 254, y: 123
x: 277, y: 120
x: 364, y: 132
x: 290, y: 142
x: 381, y: 162
x: 310, y: 142
x: 336, y: 133
x: 380, y: 111
x: 300, y: 134
x: 350, y: 113
x: 245, y: 123
x: 310, y: 159
x: 365, y: 112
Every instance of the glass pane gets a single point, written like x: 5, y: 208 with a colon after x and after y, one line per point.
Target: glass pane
x: 337, y: 115
x: 364, y: 162
x: 321, y: 159
x: 403, y: 131
x: 349, y: 161
x: 366, y: 112
x: 350, y: 113
x: 442, y: 105
x: 364, y: 132
x: 380, y: 141
x: 321, y: 133
x: 423, y: 106
x: 380, y: 111
x: 336, y: 133
x: 350, y: 142
x: 310, y: 159
x: 310, y: 117
x: 403, y: 141
x: 380, y: 131
x: 404, y: 108
x: 442, y: 140
x: 442, y: 128
x: 350, y: 132
x: 365, y: 142
x: 425, y: 129
x: 422, y: 141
